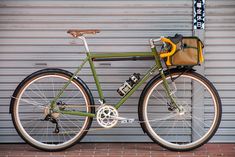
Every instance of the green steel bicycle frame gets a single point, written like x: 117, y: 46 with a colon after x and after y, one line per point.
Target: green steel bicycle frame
x: 91, y: 57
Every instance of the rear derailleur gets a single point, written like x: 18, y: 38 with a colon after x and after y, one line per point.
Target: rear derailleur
x: 53, y: 116
x: 54, y: 121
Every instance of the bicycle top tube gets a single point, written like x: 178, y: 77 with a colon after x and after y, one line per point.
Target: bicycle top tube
x: 79, y: 34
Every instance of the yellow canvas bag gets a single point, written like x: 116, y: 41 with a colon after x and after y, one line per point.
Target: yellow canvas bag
x: 189, y: 52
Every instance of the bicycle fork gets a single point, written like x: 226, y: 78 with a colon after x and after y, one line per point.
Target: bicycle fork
x: 168, y: 91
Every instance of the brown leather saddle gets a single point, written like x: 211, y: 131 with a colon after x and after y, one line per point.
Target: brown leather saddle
x: 77, y: 33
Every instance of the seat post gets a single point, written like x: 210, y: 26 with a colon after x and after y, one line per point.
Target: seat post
x: 85, y: 43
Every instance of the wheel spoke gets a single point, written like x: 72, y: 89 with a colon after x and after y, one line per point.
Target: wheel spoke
x: 37, y: 124
x: 181, y: 130
x: 53, y: 87
x: 43, y: 97
x: 164, y: 118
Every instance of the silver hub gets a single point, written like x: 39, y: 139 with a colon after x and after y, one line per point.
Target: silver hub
x: 180, y: 114
x: 182, y: 111
x: 47, y: 111
x: 107, y: 116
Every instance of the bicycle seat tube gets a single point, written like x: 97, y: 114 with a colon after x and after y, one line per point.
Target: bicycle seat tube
x: 88, y: 58
x: 93, y: 69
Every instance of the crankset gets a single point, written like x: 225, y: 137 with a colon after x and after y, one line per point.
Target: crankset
x: 107, y: 117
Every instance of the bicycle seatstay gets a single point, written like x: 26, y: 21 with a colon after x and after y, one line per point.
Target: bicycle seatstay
x: 53, y: 102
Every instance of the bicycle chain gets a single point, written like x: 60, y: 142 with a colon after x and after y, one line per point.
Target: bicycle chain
x: 95, y: 129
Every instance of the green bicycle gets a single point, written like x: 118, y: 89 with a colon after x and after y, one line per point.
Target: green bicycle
x: 52, y: 109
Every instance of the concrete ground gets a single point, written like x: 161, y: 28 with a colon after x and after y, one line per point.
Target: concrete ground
x: 118, y: 150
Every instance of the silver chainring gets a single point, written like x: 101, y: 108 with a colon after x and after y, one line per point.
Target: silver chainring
x: 107, y: 116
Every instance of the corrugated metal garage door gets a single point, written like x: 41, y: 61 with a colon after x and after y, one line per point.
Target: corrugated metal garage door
x: 220, y: 61
x: 33, y: 36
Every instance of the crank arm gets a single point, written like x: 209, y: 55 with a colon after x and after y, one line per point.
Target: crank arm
x: 125, y: 120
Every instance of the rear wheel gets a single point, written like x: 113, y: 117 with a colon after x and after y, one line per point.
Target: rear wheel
x: 189, y: 128
x: 37, y: 124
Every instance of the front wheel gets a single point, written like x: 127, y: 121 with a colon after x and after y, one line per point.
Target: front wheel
x: 32, y: 115
x: 190, y: 127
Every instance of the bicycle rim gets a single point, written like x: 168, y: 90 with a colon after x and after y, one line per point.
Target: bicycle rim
x: 187, y: 129
x: 31, y: 108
